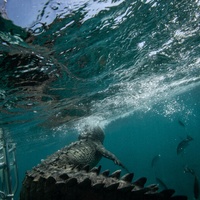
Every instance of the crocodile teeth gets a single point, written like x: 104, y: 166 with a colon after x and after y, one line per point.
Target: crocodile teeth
x: 106, y: 173
x: 64, y: 176
x: 139, y: 191
x: 116, y: 174
x: 96, y: 169
x: 41, y: 179
x: 33, y: 175
x: 127, y: 177
x: 86, y: 168
x: 125, y: 188
x: 112, y: 186
x: 51, y: 180
x: 71, y: 181
x: 153, y: 188
x: 85, y: 183
x: 98, y: 186
x: 140, y: 182
x: 36, y: 179
x: 60, y: 183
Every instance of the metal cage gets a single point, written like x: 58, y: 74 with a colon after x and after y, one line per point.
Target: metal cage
x: 8, y: 168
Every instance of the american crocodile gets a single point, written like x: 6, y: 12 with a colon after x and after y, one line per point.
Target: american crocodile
x: 70, y: 174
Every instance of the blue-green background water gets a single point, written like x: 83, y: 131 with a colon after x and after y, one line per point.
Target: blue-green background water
x: 131, y: 67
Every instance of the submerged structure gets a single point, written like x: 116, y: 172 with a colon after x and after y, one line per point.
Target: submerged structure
x: 70, y: 174
x: 8, y: 168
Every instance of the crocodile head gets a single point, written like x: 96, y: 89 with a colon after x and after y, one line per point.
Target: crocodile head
x: 92, y: 133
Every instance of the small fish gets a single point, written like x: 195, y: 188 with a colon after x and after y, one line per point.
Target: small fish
x: 181, y: 123
x: 161, y: 183
x: 155, y: 160
x: 183, y: 144
x: 196, y: 182
x: 189, y: 170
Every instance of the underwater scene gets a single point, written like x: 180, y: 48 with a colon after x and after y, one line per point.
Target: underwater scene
x: 130, y: 67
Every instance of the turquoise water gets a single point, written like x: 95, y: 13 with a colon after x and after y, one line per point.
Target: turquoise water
x: 131, y: 67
